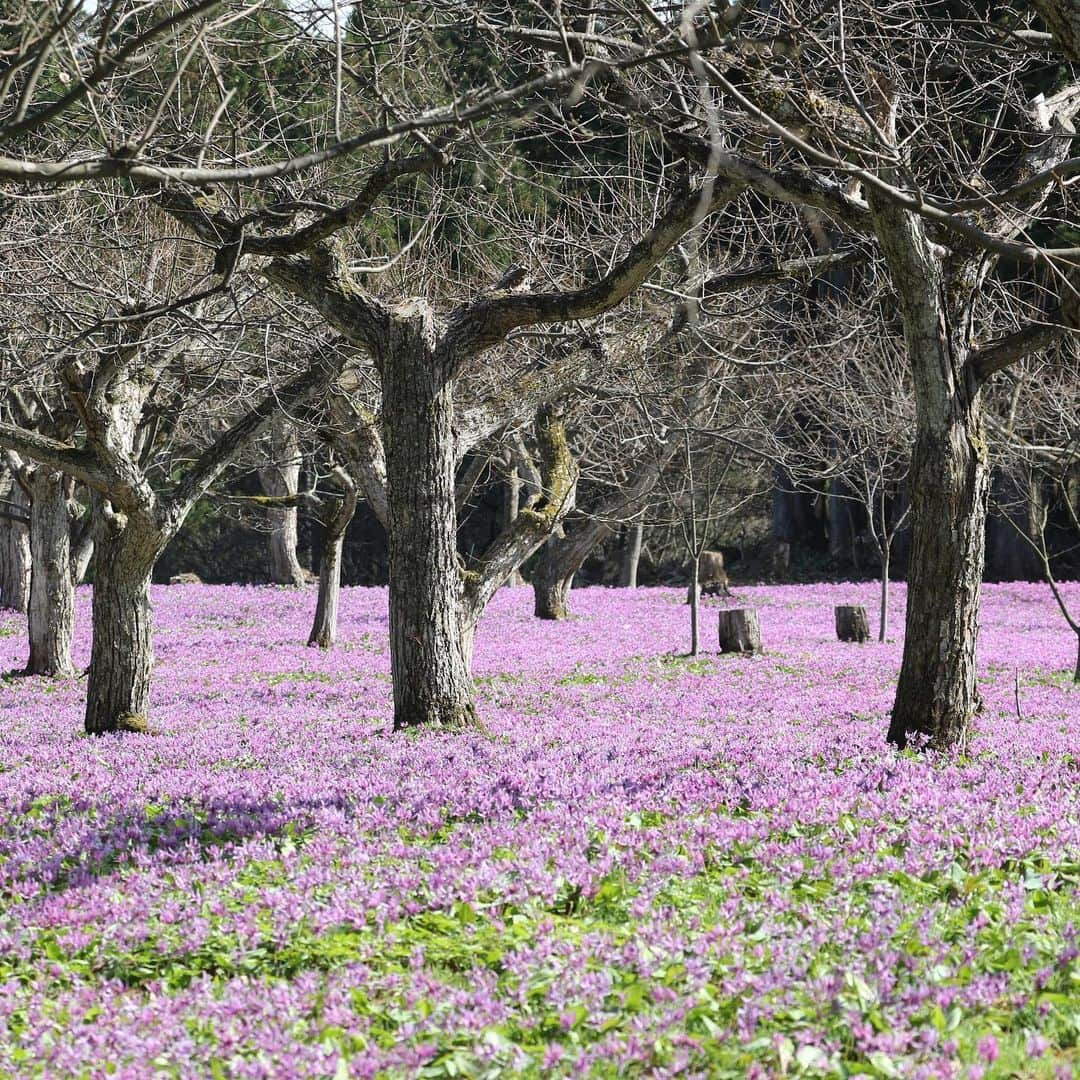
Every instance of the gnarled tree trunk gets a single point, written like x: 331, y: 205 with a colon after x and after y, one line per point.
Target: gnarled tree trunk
x: 560, y: 560
x: 937, y: 694
x: 51, y: 613
x: 324, y: 629
x: 282, y: 478
x: 14, y: 547
x: 122, y: 655
x: 431, y: 683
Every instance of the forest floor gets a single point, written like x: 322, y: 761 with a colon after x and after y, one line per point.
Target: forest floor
x: 655, y: 865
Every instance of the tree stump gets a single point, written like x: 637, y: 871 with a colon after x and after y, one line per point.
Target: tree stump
x: 740, y: 631
x: 851, y: 623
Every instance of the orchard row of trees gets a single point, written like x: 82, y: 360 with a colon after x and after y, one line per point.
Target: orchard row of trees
x: 621, y: 253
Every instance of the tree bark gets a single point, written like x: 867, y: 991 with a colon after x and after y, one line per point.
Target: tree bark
x: 937, y: 694
x: 122, y: 655
x: 695, y: 606
x: 739, y: 630
x: 852, y: 623
x: 631, y: 556
x: 883, y: 609
x: 561, y: 559
x: 51, y: 612
x: 551, y: 593
x: 282, y: 478
x: 511, y: 507
x: 431, y: 683
x: 15, y: 552
x: 324, y: 629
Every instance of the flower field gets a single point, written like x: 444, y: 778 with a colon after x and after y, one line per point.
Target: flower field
x: 651, y: 866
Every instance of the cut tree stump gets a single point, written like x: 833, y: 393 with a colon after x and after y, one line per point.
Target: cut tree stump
x: 740, y: 631
x: 851, y: 623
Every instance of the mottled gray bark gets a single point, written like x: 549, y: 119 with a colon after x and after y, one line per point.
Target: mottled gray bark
x: 631, y: 556
x: 511, y: 506
x: 551, y: 583
x: 281, y: 478
x: 324, y: 628
x: 937, y: 694
x: 51, y: 612
x: 122, y: 654
x: 15, y: 549
x: 431, y: 683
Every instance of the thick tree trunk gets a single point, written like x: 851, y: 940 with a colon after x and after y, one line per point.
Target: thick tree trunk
x: 14, y: 550
x: 282, y: 478
x: 937, y: 694
x: 552, y: 578
x: 122, y: 655
x: 431, y: 683
x: 51, y: 613
x: 631, y: 556
x: 739, y: 630
x: 852, y: 623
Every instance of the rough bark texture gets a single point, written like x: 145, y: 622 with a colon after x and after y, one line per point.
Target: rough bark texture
x: 281, y: 478
x: 631, y: 556
x: 14, y: 551
x: 1062, y: 18
x: 51, y: 613
x: 431, y: 683
x: 511, y: 507
x: 739, y: 631
x: 324, y: 629
x: 122, y: 655
x: 937, y: 694
x: 551, y: 584
x: 852, y: 623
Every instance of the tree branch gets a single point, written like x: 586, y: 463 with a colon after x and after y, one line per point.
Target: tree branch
x: 478, y: 325
x: 323, y: 367
x: 1000, y: 354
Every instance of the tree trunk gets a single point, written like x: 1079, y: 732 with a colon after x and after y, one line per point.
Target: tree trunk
x: 511, y: 509
x: 122, y: 655
x: 551, y: 580
x: 279, y: 479
x: 431, y: 683
x: 883, y: 609
x: 937, y: 694
x: 1076, y: 671
x: 739, y: 630
x: 15, y: 552
x: 695, y: 605
x: 631, y: 556
x: 324, y: 629
x: 852, y: 623
x: 51, y: 613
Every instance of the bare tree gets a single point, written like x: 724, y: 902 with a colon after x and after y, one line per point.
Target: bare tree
x: 1039, y: 447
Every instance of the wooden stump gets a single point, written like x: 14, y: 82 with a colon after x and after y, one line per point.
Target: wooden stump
x: 851, y: 623
x: 740, y: 631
